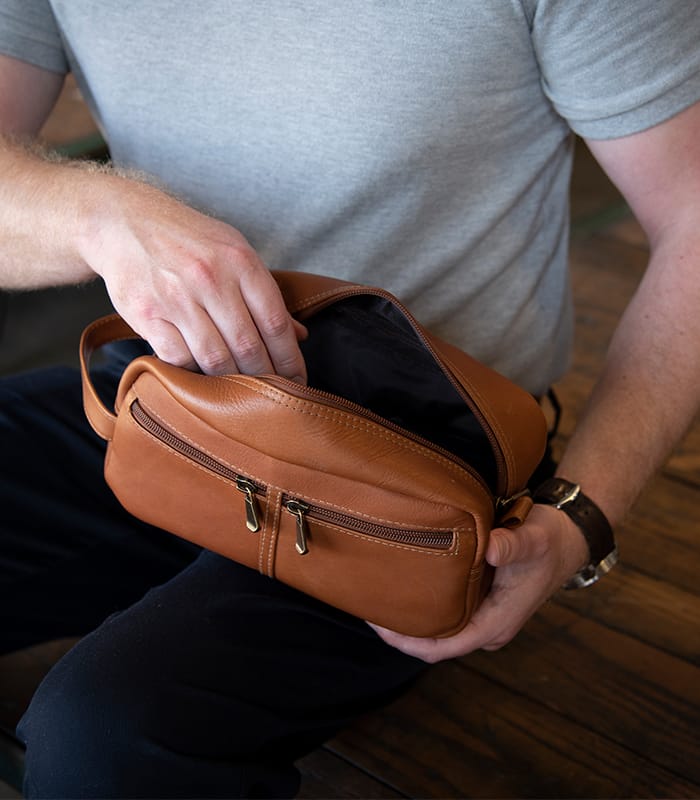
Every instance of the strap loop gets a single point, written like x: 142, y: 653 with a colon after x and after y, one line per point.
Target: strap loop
x: 96, y: 335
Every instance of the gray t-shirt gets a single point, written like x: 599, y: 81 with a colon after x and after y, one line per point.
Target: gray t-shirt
x: 421, y: 146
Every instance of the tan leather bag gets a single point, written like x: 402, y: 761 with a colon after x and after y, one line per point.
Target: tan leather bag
x: 373, y: 488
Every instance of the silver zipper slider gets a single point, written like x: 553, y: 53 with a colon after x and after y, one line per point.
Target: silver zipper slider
x: 251, y: 506
x: 299, y: 509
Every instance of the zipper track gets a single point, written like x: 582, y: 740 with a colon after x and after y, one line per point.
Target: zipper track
x: 336, y: 401
x: 174, y: 442
x: 418, y: 538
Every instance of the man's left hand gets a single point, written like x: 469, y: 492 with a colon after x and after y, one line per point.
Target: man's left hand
x: 532, y: 562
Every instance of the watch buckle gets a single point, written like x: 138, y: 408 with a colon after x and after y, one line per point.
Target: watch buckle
x: 592, y: 572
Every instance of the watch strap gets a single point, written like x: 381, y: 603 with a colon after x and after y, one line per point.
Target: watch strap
x: 592, y: 522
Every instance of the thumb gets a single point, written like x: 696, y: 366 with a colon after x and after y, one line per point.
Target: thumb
x: 510, y: 546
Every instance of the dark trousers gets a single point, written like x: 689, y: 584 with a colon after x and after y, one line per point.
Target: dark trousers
x: 195, y: 677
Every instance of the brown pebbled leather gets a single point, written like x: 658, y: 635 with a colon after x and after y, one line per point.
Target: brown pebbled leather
x: 396, y: 530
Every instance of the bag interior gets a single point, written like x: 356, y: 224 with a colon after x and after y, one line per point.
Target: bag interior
x: 364, y: 349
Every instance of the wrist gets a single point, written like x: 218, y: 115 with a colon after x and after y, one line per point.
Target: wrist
x: 40, y: 210
x: 592, y: 523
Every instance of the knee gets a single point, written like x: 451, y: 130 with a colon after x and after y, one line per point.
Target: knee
x: 106, y: 723
x: 81, y: 736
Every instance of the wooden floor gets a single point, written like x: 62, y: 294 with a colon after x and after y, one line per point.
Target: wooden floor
x: 599, y: 696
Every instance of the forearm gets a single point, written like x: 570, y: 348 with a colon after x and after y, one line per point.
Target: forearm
x: 191, y: 285
x: 647, y: 394
x: 43, y: 202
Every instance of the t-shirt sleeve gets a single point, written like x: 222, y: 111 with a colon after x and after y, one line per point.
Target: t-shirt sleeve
x: 616, y: 67
x: 28, y: 31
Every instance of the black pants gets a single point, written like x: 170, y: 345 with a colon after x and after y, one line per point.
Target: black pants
x: 196, y: 677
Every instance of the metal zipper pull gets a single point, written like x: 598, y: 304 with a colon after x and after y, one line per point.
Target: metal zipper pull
x: 299, y: 509
x: 251, y: 506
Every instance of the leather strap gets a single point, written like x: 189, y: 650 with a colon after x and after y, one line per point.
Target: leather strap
x: 594, y: 526
x: 96, y: 335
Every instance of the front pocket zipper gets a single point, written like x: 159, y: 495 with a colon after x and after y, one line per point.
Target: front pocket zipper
x: 249, y: 488
x: 252, y: 490
x: 437, y: 540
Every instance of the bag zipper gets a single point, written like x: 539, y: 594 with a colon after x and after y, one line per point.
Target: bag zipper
x: 436, y: 540
x: 336, y: 401
x: 251, y: 490
x: 500, y: 503
x: 245, y: 485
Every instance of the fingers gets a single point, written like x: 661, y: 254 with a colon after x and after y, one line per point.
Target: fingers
x: 274, y: 325
x: 429, y: 650
x: 193, y: 287
x: 242, y: 326
x: 199, y: 344
x: 495, y: 623
x: 168, y: 343
x: 532, y: 562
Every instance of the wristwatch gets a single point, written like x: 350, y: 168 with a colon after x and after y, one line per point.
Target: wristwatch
x: 594, y: 525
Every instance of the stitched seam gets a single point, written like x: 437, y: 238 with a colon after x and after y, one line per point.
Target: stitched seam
x: 337, y: 415
x: 310, y: 301
x: 417, y: 526
x: 262, y: 480
x: 183, y: 458
x: 238, y: 468
x: 263, y: 537
x: 371, y: 539
x: 274, y: 533
x: 174, y: 429
x: 501, y: 437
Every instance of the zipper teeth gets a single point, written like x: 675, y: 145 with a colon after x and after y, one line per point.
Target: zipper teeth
x: 172, y: 440
x: 308, y: 392
x: 422, y: 538
x: 435, y: 539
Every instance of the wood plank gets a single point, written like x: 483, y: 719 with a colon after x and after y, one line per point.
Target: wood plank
x: 7, y: 792
x: 458, y: 734
x: 325, y: 775
x: 592, y: 192
x: 611, y: 684
x: 43, y: 327
x: 627, y: 230
x: 71, y: 120
x: 650, y: 610
x: 659, y: 536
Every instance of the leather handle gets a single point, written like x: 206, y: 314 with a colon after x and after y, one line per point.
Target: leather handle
x: 96, y: 335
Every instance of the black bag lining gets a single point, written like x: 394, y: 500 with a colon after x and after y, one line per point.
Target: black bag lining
x: 364, y: 349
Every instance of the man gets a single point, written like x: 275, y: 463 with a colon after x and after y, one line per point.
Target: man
x: 424, y: 147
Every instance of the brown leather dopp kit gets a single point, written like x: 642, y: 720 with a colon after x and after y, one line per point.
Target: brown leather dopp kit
x: 374, y: 488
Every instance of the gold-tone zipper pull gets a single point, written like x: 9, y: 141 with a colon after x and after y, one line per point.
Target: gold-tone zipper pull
x: 299, y: 509
x: 251, y: 506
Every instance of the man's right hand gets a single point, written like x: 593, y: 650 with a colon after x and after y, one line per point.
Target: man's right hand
x: 190, y: 285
